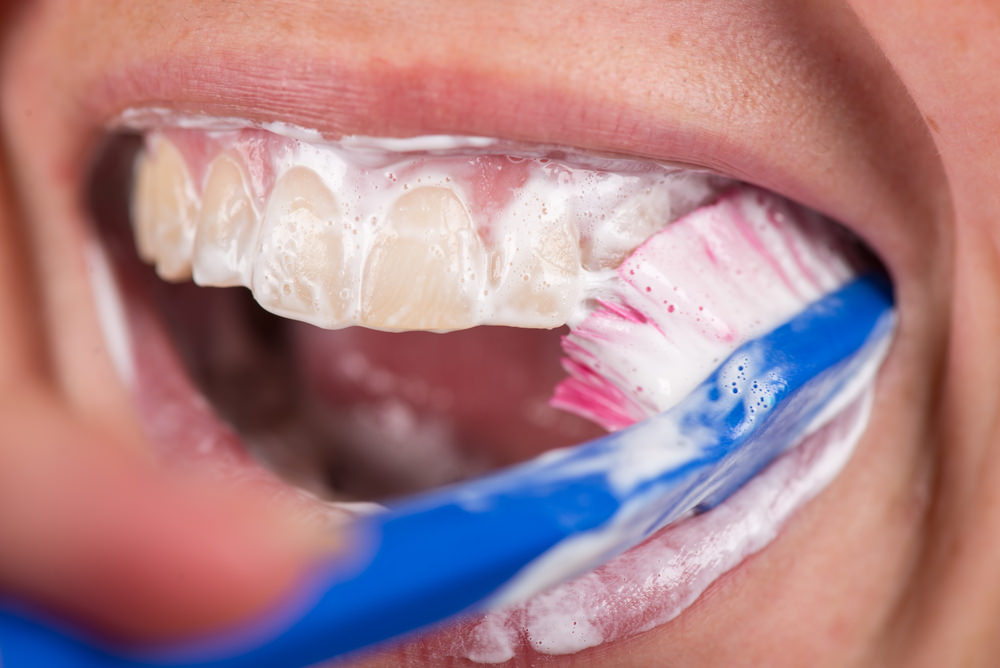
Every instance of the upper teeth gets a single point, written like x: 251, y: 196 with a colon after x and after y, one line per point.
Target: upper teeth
x: 338, y: 235
x: 226, y: 224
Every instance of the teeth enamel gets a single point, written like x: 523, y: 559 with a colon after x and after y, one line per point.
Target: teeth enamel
x: 301, y: 268
x: 542, y: 275
x: 426, y: 267
x: 164, y: 210
x: 398, y: 241
x: 227, y: 227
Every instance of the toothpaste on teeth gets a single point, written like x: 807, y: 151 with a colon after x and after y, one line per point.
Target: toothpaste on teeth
x: 454, y: 235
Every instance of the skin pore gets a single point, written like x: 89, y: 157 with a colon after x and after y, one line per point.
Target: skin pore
x: 881, y: 115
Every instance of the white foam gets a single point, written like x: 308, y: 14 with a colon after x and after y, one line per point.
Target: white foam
x: 110, y: 312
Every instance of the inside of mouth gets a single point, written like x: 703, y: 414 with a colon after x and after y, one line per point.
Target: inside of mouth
x: 362, y: 414
x: 355, y: 413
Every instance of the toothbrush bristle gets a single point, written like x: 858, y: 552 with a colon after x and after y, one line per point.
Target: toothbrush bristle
x: 693, y: 292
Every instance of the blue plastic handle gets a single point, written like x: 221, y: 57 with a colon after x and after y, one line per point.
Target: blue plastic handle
x: 452, y: 550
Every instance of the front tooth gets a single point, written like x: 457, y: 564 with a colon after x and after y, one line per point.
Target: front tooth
x: 302, y: 266
x: 164, y: 210
x: 426, y: 267
x: 226, y: 229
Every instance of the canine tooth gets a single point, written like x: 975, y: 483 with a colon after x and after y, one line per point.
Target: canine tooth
x: 542, y: 286
x: 164, y: 209
x: 227, y: 227
x: 302, y: 265
x: 426, y: 267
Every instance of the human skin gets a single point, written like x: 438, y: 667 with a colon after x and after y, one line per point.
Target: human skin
x: 881, y: 114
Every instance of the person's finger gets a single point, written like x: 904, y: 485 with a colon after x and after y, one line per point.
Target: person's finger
x: 121, y: 547
x: 21, y: 336
x: 90, y: 527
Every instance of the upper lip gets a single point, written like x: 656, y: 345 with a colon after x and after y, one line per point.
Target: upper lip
x: 685, y: 101
x: 386, y: 100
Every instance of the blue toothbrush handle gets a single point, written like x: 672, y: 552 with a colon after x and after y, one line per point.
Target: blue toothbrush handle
x: 429, y: 565
x: 452, y: 550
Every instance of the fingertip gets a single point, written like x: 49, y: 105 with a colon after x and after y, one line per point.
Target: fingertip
x: 125, y: 549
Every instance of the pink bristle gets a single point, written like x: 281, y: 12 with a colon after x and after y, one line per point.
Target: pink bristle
x: 691, y: 294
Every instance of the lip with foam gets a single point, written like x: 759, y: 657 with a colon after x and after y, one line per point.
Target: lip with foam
x: 769, y: 232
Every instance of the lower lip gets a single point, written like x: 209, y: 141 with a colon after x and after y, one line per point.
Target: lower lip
x: 655, y: 582
x: 644, y: 588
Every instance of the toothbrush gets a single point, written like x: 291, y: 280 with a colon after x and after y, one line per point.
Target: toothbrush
x: 503, y: 537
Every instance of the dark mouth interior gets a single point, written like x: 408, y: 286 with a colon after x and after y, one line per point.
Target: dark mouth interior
x: 370, y: 414
x: 353, y: 413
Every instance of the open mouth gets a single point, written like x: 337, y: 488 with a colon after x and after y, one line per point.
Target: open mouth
x: 522, y: 254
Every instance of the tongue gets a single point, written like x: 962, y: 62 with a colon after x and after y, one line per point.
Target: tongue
x: 436, y: 407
